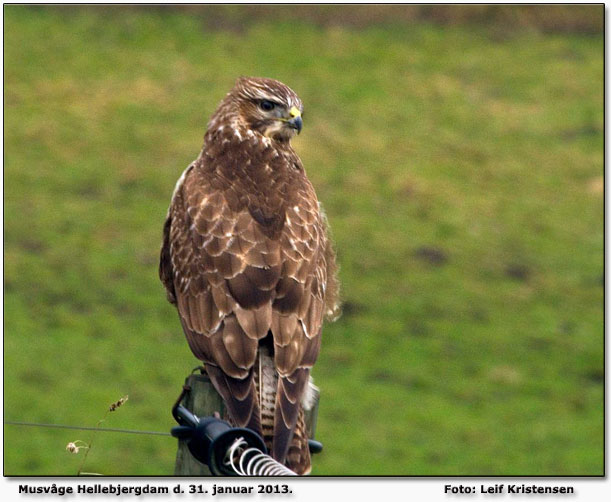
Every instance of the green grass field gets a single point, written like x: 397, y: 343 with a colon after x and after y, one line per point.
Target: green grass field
x: 462, y: 173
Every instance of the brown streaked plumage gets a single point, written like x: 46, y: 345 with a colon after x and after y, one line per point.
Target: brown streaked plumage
x: 248, y: 263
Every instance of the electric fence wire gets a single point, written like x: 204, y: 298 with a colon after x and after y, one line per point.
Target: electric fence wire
x: 79, y: 428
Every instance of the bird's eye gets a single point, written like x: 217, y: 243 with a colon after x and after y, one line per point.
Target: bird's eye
x: 266, y: 105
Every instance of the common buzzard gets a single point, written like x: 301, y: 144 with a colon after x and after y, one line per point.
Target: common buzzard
x: 248, y: 263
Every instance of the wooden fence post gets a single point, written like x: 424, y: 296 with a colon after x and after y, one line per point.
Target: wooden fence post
x: 203, y: 401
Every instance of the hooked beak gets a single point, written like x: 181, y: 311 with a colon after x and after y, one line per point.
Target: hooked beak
x: 295, y: 122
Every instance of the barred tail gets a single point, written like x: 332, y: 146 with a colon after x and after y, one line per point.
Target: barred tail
x: 298, y: 457
x: 296, y: 454
x: 266, y: 380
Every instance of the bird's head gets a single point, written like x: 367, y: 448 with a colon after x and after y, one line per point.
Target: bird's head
x: 268, y: 107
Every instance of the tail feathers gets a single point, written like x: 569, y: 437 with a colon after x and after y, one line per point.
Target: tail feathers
x: 266, y: 380
x: 282, y: 417
x: 298, y: 456
x: 271, y: 406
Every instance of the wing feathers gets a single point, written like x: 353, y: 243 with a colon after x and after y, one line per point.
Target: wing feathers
x: 246, y: 294
x: 239, y: 395
x: 283, y: 327
x: 241, y: 348
x: 287, y: 409
x: 255, y: 322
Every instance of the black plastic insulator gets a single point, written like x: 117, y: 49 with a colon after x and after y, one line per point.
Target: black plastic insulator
x: 209, y: 439
x: 314, y: 446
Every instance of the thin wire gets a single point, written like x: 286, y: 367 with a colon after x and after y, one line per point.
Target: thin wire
x: 58, y: 426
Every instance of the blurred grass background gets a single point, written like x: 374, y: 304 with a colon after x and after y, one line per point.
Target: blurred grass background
x: 459, y: 155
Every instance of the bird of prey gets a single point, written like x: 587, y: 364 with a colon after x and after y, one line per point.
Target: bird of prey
x: 247, y: 260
